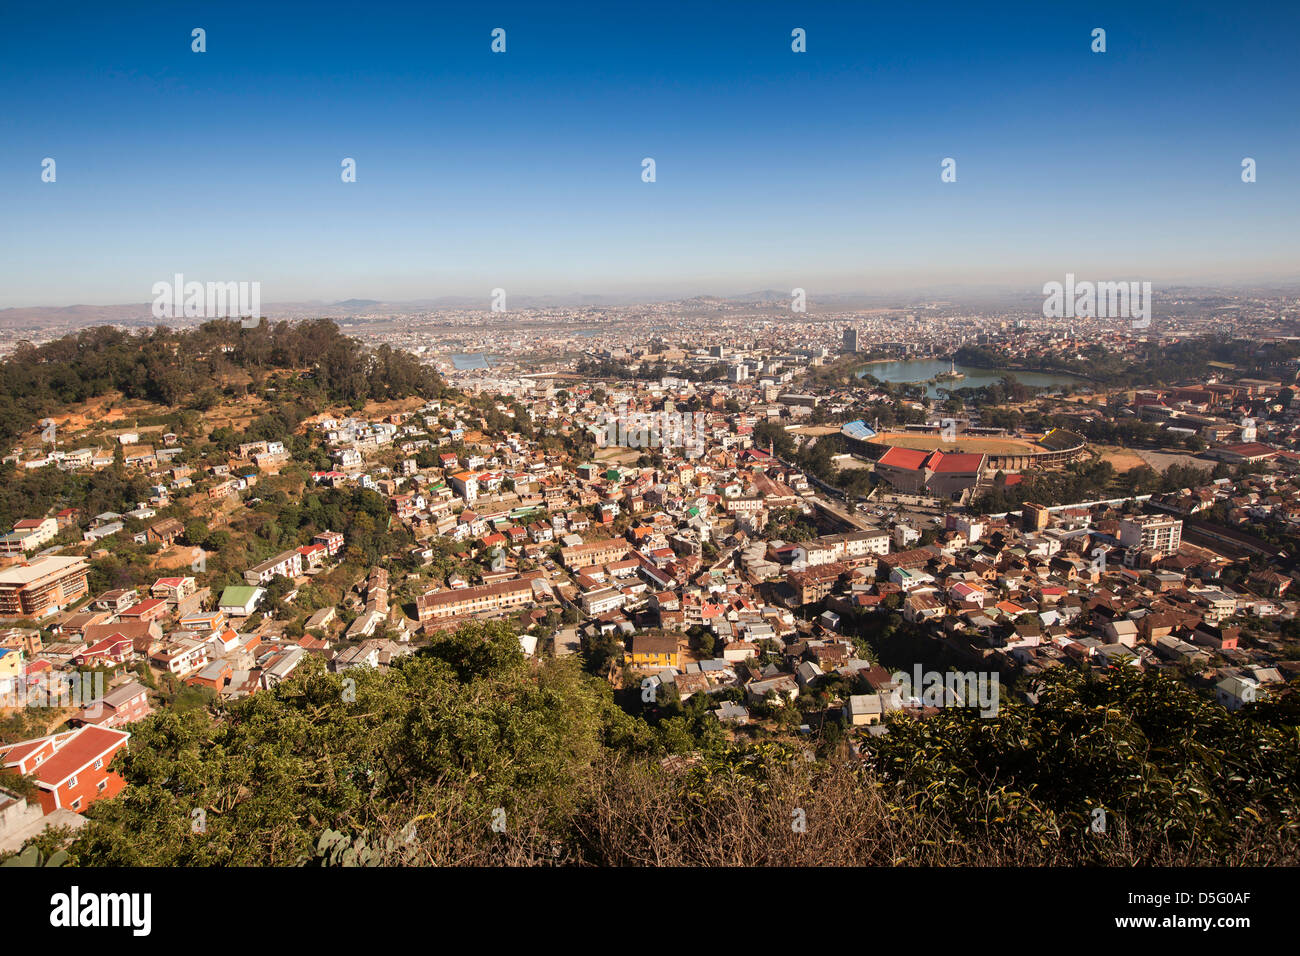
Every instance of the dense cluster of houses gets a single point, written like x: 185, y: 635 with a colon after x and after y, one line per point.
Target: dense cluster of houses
x: 1011, y: 595
x: 1016, y: 594
x: 678, y: 562
x: 88, y: 673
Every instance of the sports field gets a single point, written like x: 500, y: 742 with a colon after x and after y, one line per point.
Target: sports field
x: 962, y: 443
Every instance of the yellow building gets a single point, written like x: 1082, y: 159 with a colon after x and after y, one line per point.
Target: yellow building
x: 11, y: 669
x: 652, y: 651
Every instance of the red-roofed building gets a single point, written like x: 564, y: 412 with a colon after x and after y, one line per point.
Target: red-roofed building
x: 114, y: 649
x: 939, y: 473
x: 951, y: 463
x: 1246, y: 452
x: 313, y: 555
x: 948, y: 474
x: 148, y: 610
x: 71, y: 768
x: 908, y: 459
x: 174, y: 590
x: 332, y: 540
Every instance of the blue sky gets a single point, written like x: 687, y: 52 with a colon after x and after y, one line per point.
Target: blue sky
x: 523, y: 170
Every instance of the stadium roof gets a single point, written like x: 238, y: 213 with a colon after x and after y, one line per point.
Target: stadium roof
x: 910, y: 458
x: 947, y: 463
x: 858, y: 429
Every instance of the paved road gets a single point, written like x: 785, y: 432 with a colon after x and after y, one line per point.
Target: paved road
x: 838, y: 511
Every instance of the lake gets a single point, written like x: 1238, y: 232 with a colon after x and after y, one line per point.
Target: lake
x: 464, y: 362
x: 921, y: 370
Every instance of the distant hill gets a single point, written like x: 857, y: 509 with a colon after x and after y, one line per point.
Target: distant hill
x: 185, y: 367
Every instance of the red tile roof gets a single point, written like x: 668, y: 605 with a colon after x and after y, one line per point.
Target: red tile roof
x: 909, y: 458
x: 1252, y: 449
x: 951, y: 462
x: 80, y: 751
x: 144, y: 607
x: 77, y: 751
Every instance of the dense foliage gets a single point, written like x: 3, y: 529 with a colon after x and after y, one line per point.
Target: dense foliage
x: 1146, y: 364
x: 1143, y: 748
x: 175, y: 367
x: 470, y: 753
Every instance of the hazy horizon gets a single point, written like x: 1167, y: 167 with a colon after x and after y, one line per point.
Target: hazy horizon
x: 903, y: 297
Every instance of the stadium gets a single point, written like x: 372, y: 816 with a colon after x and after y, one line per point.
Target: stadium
x: 1001, y: 452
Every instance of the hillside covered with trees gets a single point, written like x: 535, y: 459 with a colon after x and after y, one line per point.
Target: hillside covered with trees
x: 188, y: 368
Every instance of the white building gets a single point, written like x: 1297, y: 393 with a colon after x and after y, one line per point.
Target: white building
x: 1151, y: 533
